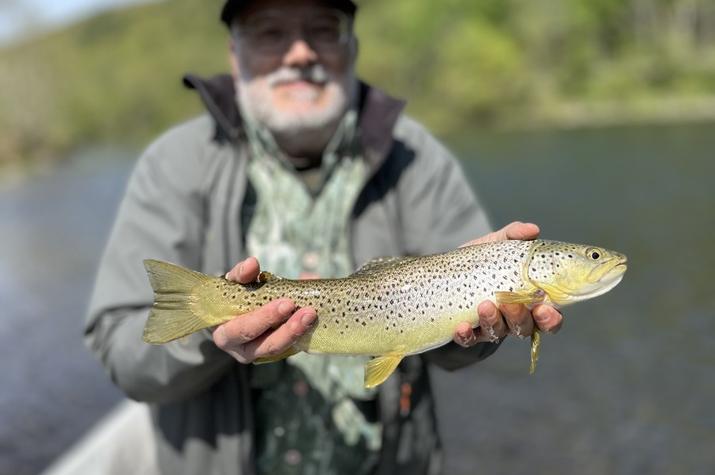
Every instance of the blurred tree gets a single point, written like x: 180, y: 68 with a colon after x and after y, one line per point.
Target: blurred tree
x: 461, y: 63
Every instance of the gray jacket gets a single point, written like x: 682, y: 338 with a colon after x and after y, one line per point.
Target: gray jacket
x: 185, y: 203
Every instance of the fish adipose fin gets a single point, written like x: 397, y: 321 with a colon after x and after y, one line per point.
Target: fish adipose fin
x: 378, y: 369
x: 280, y: 356
x: 171, y: 317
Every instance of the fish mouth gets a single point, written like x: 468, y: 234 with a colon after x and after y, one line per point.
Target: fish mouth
x: 609, y: 270
x: 605, y: 277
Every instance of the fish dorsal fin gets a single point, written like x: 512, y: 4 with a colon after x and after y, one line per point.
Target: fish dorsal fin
x: 378, y: 369
x: 268, y: 277
x: 378, y: 263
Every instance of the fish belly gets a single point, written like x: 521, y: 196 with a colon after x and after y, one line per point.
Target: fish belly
x: 381, y: 335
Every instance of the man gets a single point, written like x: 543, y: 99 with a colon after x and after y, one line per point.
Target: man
x: 313, y: 172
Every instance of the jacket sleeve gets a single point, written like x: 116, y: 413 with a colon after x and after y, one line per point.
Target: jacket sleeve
x: 160, y: 217
x: 439, y: 212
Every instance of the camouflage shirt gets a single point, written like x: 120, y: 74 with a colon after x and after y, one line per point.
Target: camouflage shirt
x: 313, y: 415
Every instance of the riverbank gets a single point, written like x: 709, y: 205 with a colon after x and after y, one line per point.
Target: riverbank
x: 673, y: 111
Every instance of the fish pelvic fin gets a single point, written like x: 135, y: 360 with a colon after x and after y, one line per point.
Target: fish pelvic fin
x: 280, y: 356
x: 378, y: 369
x: 171, y: 317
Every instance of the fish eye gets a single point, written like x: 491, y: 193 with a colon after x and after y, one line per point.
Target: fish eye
x: 593, y: 254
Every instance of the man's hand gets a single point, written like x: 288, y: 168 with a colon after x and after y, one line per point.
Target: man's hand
x: 266, y: 331
x: 513, y: 319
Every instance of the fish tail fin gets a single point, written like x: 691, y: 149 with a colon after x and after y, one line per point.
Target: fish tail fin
x: 171, y: 317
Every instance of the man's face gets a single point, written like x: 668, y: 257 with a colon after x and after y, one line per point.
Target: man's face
x: 294, y: 64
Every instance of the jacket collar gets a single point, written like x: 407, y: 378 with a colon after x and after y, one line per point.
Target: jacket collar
x: 378, y: 114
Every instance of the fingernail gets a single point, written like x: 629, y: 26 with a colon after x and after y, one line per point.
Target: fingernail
x: 493, y: 314
x: 308, y: 318
x: 540, y: 316
x: 511, y: 308
x: 285, y: 308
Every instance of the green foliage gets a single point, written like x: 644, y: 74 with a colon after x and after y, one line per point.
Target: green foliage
x: 517, y: 62
x: 460, y: 63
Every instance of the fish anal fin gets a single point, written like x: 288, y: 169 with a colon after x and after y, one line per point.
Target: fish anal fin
x: 526, y: 297
x: 378, y: 369
x: 280, y: 356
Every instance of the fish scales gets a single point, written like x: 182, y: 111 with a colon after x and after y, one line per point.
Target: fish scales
x: 391, y: 306
x: 415, y: 303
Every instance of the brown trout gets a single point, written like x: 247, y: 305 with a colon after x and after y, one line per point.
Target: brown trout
x: 391, y: 307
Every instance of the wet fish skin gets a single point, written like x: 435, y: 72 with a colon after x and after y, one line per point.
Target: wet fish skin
x: 391, y: 307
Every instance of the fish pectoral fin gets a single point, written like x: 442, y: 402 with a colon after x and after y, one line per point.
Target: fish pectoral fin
x: 280, y: 356
x: 526, y: 297
x: 378, y: 369
x: 535, y: 347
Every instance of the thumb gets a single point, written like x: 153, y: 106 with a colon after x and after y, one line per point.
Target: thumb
x: 519, y: 230
x: 513, y: 230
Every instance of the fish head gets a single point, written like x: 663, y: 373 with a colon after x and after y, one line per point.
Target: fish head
x: 569, y: 273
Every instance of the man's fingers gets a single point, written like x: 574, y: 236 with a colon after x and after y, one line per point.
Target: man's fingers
x: 547, y: 318
x: 491, y: 324
x: 250, y: 326
x: 279, y: 340
x: 464, y: 335
x: 245, y: 271
x: 521, y: 231
x: 518, y: 318
x: 515, y: 230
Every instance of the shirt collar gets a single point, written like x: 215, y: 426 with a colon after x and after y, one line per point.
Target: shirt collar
x: 377, y: 114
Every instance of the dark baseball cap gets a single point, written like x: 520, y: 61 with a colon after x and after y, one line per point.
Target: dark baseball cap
x: 232, y: 7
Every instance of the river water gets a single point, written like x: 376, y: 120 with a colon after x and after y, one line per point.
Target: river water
x: 626, y: 387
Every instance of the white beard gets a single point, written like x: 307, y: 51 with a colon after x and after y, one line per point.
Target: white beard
x: 299, y: 129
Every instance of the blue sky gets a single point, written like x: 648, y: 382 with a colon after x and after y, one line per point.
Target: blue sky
x: 20, y: 18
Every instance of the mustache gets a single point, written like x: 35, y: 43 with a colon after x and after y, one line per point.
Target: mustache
x: 315, y: 73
